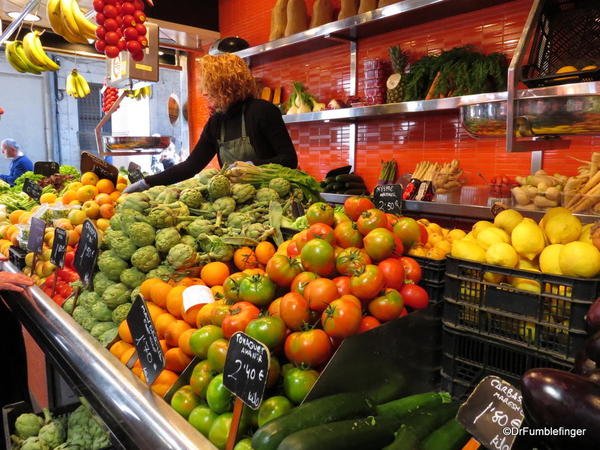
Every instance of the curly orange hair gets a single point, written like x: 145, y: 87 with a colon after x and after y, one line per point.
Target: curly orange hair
x: 226, y: 79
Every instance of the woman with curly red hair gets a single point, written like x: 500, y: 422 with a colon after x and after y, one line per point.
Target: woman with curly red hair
x: 242, y: 128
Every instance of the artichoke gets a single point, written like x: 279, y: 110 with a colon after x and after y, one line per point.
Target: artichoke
x: 224, y: 206
x: 88, y: 322
x: 111, y: 235
x: 188, y: 240
x: 136, y: 291
x: 182, y: 256
x: 219, y: 186
x: 68, y: 305
x: 54, y: 432
x: 80, y: 313
x: 205, y: 175
x: 111, y: 265
x: 123, y: 247
x: 100, y: 311
x: 141, y: 234
x: 266, y: 195
x: 101, y: 282
x: 167, y: 238
x: 238, y: 220
x: 33, y: 443
x: 168, y: 195
x: 146, y: 258
x: 163, y: 272
x: 86, y: 430
x: 116, y: 295
x: 109, y: 335
x: 154, y: 191
x: 242, y: 192
x: 132, y: 277
x: 281, y: 186
x: 101, y: 327
x: 28, y: 425
x: 214, y: 247
x: 119, y: 314
x: 88, y: 299
x: 255, y: 230
x: 165, y: 216
x: 192, y: 197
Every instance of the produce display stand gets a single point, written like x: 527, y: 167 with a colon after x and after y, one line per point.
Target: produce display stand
x: 137, y: 417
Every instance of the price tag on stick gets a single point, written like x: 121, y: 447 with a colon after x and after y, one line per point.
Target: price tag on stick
x: 91, y: 163
x: 59, y: 247
x: 388, y: 198
x: 16, y: 256
x: 145, y: 340
x: 46, y: 168
x: 135, y: 172
x: 493, y: 413
x: 87, y: 252
x: 37, y: 228
x: 32, y: 189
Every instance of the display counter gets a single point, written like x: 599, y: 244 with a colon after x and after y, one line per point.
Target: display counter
x: 137, y: 417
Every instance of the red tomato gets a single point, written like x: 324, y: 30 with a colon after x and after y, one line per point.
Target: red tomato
x: 318, y: 256
x: 404, y: 312
x: 367, y: 284
x: 408, y: 231
x: 311, y: 348
x: 301, y: 281
x: 294, y: 311
x: 351, y: 260
x: 388, y: 306
x: 69, y: 258
x: 412, y: 269
x: 399, y: 250
x: 347, y: 235
x: 320, y: 213
x: 380, y: 244
x: 274, y: 308
x: 352, y: 299
x: 321, y: 231
x: 58, y: 299
x: 371, y: 219
x: 320, y: 293
x: 343, y: 285
x: 414, y: 296
x: 391, y: 220
x: 282, y: 269
x: 368, y: 323
x: 424, y: 234
x: 240, y: 315
x: 292, y: 249
x: 67, y: 275
x: 341, y: 318
x: 393, y: 272
x: 355, y: 206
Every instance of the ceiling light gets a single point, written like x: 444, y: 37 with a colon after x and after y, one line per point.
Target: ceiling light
x: 28, y: 17
x: 160, y: 53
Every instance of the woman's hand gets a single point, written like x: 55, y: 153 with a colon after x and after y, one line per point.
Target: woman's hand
x: 138, y: 186
x: 14, y: 281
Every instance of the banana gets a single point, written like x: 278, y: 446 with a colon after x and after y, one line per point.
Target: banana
x: 70, y: 87
x: 35, y: 52
x: 57, y: 22
x: 83, y: 86
x: 66, y: 10
x: 86, y: 28
x: 24, y: 61
x: 12, y: 58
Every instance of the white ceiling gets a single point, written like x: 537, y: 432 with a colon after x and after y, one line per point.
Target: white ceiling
x: 7, y: 6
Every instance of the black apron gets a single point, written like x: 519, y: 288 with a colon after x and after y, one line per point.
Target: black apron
x: 239, y: 149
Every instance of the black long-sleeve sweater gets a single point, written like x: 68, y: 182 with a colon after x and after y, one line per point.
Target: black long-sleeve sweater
x: 264, y: 126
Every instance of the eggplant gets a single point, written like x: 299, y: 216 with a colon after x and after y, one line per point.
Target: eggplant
x: 593, y: 317
x: 555, y: 398
x: 594, y: 376
x: 583, y: 364
x: 592, y: 348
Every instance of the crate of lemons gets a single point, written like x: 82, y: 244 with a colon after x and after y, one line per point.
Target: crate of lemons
x: 436, y: 241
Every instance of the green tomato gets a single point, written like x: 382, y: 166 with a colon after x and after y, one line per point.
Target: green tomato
x: 217, y: 351
x: 220, y: 430
x: 286, y: 368
x: 184, y: 401
x: 218, y: 397
x: 201, y: 376
x: 202, y: 419
x: 257, y: 289
x: 269, y: 330
x: 201, y: 339
x: 297, y: 383
x: 244, y: 444
x: 272, y: 408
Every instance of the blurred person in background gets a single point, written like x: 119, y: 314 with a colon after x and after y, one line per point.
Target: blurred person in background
x: 19, y: 162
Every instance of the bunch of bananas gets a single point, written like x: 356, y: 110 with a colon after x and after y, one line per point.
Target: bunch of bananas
x: 67, y: 19
x: 138, y: 94
x: 29, y: 55
x: 77, y: 86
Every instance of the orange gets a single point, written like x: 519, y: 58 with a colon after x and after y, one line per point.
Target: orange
x: 264, y: 252
x: 14, y: 216
x: 122, y: 179
x: 24, y: 218
x: 163, y: 345
x: 73, y: 237
x: 214, y: 273
x: 176, y: 360
x: 91, y: 209
x: 162, y: 322
x: 127, y: 354
x: 164, y: 381
x: 107, y: 210
x: 119, y: 347
x: 103, y: 198
x: 174, y: 330
x: 121, y: 187
x: 191, y: 315
x: 105, y: 186
x: 159, y: 292
x: 48, y: 197
x: 102, y: 224
x: 137, y: 370
x: 75, y: 203
x: 175, y: 301
x: 154, y: 310
x: 65, y: 224
x: 114, y: 196
x: 244, y: 258
x: 146, y: 285
x: 86, y: 192
x: 124, y: 332
x: 68, y: 197
x: 184, y: 342
x: 75, y: 185
x: 79, y: 229
x: 89, y: 178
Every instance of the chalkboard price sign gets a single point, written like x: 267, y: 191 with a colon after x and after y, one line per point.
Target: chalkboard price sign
x: 59, y: 247
x: 493, y: 413
x: 37, y: 228
x: 87, y: 252
x: 32, y: 189
x: 135, y: 172
x: 388, y: 198
x: 246, y: 369
x: 91, y: 163
x: 145, y: 340
x: 16, y: 256
x: 46, y: 168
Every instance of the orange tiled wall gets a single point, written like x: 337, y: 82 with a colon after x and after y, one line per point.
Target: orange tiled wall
x: 432, y: 136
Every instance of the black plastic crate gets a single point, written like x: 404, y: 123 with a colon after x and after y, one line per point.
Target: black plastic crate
x: 551, y: 321
x: 467, y: 359
x: 433, y: 270
x: 435, y: 291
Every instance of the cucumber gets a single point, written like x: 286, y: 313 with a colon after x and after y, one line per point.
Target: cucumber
x: 367, y: 433
x: 421, y: 423
x: 328, y: 187
x: 350, y: 177
x: 337, y: 186
x: 406, y: 405
x: 330, y: 180
x: 323, y: 410
x: 450, y: 436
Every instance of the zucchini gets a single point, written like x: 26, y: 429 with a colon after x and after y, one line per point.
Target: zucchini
x: 317, y: 412
x: 421, y: 423
x: 354, y: 184
x: 330, y: 180
x: 349, y: 177
x: 356, y: 191
x: 337, y: 186
x: 404, y: 406
x: 370, y: 432
x: 328, y: 187
x: 385, y: 392
x: 450, y: 436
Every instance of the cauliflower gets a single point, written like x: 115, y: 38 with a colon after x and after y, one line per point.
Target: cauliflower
x: 167, y: 238
x: 192, y: 197
x: 242, y: 192
x: 224, y: 205
x: 238, y: 220
x: 54, y: 432
x: 101, y: 282
x: 219, y: 186
x: 205, y: 175
x: 141, y: 234
x: 199, y: 226
x: 120, y: 313
x: 28, y: 425
x: 87, y: 299
x: 281, y: 186
x: 100, y: 311
x: 123, y: 247
x: 163, y: 272
x: 101, y: 327
x: 132, y: 277
x: 116, y: 295
x: 146, y: 258
x: 266, y: 195
x: 182, y: 256
x: 111, y: 265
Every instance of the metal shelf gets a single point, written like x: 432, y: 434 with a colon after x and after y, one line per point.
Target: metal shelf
x: 388, y: 18
x: 135, y: 414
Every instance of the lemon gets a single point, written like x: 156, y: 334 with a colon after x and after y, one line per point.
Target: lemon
x: 469, y: 237
x: 525, y: 264
x: 526, y: 284
x: 579, y: 259
x: 467, y: 249
x: 502, y: 254
x: 492, y: 235
x: 491, y: 277
x: 479, y: 226
x: 566, y: 69
x: 508, y: 220
x: 549, y: 259
x: 528, y: 239
x: 562, y: 228
x: 553, y: 212
x: 456, y: 235
x: 586, y: 233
